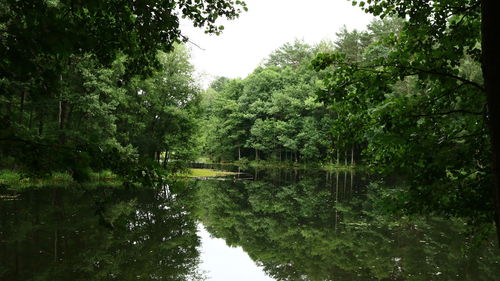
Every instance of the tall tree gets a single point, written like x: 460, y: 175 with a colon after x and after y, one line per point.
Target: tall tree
x: 273, y: 113
x: 421, y: 90
x: 438, y: 34
x: 64, y: 66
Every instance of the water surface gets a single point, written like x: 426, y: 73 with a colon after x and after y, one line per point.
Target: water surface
x: 281, y: 224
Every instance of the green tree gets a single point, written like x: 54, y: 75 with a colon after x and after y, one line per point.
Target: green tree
x: 418, y: 98
x: 273, y: 113
x: 164, y: 108
x: 434, y: 42
x: 63, y: 70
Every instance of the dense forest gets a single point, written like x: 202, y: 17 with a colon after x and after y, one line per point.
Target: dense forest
x: 272, y: 114
x: 107, y: 85
x: 94, y: 85
x: 354, y: 99
x: 279, y: 112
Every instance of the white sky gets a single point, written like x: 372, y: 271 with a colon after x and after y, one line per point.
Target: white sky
x: 223, y: 263
x: 267, y: 25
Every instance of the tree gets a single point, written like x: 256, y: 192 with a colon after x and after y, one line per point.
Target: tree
x: 136, y: 28
x: 451, y: 29
x: 164, y: 107
x: 64, y: 66
x: 273, y: 113
x: 422, y: 93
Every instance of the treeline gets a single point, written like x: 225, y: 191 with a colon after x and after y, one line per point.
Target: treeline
x: 401, y: 97
x: 272, y: 114
x: 96, y: 120
x: 93, y: 85
x: 276, y: 113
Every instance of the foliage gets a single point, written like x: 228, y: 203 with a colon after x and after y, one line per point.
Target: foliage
x: 53, y: 31
x: 72, y: 74
x: 413, y: 99
x: 100, y: 121
x: 272, y: 114
x: 14, y: 180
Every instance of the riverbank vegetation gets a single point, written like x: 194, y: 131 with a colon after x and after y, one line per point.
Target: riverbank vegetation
x: 12, y: 180
x: 98, y: 121
x: 94, y: 85
x: 103, y: 86
x: 405, y: 97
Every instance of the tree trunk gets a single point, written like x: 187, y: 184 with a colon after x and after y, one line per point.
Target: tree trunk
x: 336, y: 198
x: 40, y: 125
x: 63, y: 114
x: 30, y: 118
x: 338, y: 152
x: 21, y: 107
x: 59, y: 115
x: 490, y: 65
x: 352, y: 179
x: 165, y: 160
x: 239, y: 153
x: 60, y: 105
x: 352, y: 155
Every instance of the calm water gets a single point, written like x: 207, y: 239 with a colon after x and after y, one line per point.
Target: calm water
x: 281, y: 225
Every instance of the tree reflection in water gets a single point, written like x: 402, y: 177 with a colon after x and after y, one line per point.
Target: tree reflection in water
x: 297, y: 225
x: 326, y: 227
x: 99, y: 234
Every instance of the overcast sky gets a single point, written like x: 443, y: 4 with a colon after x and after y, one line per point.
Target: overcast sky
x: 220, y: 262
x: 267, y: 25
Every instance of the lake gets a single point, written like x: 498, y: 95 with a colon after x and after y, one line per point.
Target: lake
x: 269, y: 224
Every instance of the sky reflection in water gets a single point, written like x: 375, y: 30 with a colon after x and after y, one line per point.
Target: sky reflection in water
x: 288, y: 224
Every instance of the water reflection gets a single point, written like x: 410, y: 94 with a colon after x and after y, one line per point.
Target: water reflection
x: 223, y: 263
x: 102, y: 234
x: 322, y: 226
x: 294, y: 224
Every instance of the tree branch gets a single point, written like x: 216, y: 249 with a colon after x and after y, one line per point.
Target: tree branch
x: 449, y: 112
x: 371, y: 68
x: 449, y: 75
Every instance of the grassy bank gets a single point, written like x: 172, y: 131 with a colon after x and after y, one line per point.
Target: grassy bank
x: 10, y: 179
x: 288, y: 164
x: 205, y: 173
x: 15, y: 180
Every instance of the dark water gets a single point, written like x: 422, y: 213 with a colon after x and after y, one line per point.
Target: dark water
x: 294, y: 225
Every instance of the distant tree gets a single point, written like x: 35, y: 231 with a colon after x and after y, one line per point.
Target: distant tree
x: 273, y: 113
x: 291, y: 55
